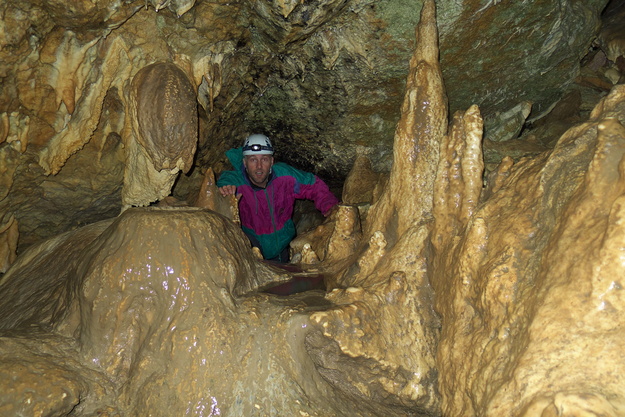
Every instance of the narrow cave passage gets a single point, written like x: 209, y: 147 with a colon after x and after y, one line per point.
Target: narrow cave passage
x: 462, y: 275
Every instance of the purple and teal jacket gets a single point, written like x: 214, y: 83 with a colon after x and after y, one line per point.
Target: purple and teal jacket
x: 266, y: 212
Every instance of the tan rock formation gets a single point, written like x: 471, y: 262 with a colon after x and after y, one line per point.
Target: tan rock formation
x: 360, y: 185
x: 208, y: 197
x: 9, y: 234
x: 388, y: 276
x: 165, y: 107
x: 162, y: 138
x: 525, y: 271
x: 455, y: 295
x: 532, y: 284
x: 161, y: 303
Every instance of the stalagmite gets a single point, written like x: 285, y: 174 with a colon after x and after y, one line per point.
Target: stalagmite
x: 525, y: 278
x: 333, y: 241
x: 208, y: 197
x: 449, y: 293
x: 459, y: 180
x: 360, y: 185
x: 408, y: 195
x: 389, y: 276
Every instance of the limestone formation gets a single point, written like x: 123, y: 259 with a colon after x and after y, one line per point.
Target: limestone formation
x: 163, y: 120
x: 324, y: 78
x: 528, y: 279
x: 166, y: 115
x: 208, y: 197
x: 524, y: 272
x: 448, y: 292
x: 360, y: 185
x: 387, y: 276
x: 148, y: 302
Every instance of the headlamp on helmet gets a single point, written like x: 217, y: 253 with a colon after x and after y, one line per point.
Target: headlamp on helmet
x: 257, y: 145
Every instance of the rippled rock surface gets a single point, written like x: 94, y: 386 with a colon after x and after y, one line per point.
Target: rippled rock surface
x: 146, y: 314
x: 448, y: 293
x: 321, y: 78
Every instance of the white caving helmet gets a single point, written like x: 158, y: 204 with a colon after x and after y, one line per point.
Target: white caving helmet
x: 257, y: 145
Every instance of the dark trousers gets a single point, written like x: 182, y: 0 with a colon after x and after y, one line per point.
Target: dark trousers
x: 284, y: 257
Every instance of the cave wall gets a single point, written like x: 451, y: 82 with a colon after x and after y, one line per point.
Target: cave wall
x: 341, y: 85
x: 321, y: 78
x: 448, y: 293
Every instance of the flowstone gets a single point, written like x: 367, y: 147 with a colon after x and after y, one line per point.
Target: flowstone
x: 448, y: 294
x: 519, y: 271
x: 147, y: 315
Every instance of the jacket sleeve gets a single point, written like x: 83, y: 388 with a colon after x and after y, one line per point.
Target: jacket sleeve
x: 318, y: 192
x: 233, y: 177
x: 229, y: 178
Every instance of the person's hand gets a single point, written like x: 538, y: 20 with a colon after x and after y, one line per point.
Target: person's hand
x: 228, y: 190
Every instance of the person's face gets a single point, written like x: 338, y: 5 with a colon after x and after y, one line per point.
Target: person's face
x: 258, y: 168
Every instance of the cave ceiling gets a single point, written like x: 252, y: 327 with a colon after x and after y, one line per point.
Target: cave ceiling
x: 324, y: 79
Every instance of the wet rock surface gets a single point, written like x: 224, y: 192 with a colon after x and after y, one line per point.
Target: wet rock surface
x: 525, y: 279
x: 323, y: 79
x: 143, y: 314
x: 164, y: 125
x: 448, y: 292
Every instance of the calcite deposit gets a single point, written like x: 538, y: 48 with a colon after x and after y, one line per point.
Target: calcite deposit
x: 164, y: 125
x: 451, y: 291
x: 532, y: 281
x: 321, y: 78
x: 522, y: 270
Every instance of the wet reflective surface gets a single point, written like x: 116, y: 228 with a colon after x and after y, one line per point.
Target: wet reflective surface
x: 300, y: 282
x: 449, y: 295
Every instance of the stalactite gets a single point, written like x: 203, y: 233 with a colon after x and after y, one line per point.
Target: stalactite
x: 448, y: 293
x: 163, y: 119
x: 84, y: 122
